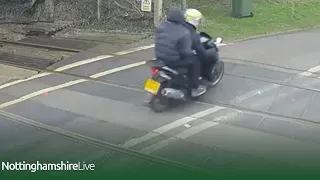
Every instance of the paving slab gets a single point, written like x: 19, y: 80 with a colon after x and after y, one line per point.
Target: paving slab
x: 10, y: 73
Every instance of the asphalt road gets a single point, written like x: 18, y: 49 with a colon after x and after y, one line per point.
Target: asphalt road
x: 259, y: 114
x: 28, y: 144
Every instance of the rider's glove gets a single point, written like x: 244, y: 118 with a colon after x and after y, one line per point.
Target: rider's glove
x: 211, y: 43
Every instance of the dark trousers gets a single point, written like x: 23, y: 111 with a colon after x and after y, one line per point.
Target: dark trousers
x: 206, y: 69
x: 194, y: 69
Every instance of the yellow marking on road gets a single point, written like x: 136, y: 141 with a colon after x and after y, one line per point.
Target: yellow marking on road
x: 70, y: 83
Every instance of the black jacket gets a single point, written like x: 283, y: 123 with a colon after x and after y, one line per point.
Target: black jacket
x: 202, y: 53
x: 172, y: 39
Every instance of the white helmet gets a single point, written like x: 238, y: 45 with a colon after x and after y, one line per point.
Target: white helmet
x: 193, y: 16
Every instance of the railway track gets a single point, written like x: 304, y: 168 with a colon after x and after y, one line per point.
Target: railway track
x: 268, y: 66
x: 139, y: 155
x: 42, y: 68
x: 244, y: 110
x: 95, y: 142
x: 102, y: 144
x: 38, y: 53
x: 35, y: 53
x: 128, y: 152
x: 42, y: 46
x: 292, y: 72
x: 279, y: 117
x: 25, y: 62
x: 248, y: 110
x: 226, y: 105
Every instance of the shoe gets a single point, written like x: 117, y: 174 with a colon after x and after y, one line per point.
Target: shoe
x: 199, y: 91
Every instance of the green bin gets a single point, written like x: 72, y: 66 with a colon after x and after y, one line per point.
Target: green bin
x: 242, y: 8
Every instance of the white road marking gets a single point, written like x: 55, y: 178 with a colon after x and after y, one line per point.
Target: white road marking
x: 227, y: 116
x: 306, y: 73
x: 134, y: 50
x: 255, y: 92
x: 189, y: 132
x: 63, y: 68
x: 114, y: 70
x: 67, y: 84
x: 183, y: 135
x: 73, y: 65
x: 77, y: 64
x: 199, y: 128
x: 24, y: 80
x: 198, y: 115
x: 310, y: 71
x: 270, y: 87
x: 40, y: 92
x: 83, y: 62
x: 171, y: 126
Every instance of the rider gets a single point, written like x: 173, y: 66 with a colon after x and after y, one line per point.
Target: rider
x: 193, y: 18
x: 173, y: 46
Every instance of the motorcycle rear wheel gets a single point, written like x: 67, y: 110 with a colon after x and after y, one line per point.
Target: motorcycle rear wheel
x: 158, y: 104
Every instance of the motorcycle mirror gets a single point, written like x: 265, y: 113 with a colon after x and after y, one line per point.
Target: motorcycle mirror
x: 218, y: 40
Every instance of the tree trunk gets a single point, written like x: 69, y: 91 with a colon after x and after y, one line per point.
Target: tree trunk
x: 44, y: 9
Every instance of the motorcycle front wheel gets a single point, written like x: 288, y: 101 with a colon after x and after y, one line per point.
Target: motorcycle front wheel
x: 217, y: 73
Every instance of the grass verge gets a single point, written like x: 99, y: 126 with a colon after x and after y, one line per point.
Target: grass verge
x: 269, y: 17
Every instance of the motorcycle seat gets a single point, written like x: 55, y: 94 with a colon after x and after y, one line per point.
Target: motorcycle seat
x: 181, y: 70
x: 158, y: 64
x: 162, y: 65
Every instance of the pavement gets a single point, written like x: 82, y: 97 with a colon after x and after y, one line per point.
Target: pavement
x: 263, y: 115
x: 10, y: 73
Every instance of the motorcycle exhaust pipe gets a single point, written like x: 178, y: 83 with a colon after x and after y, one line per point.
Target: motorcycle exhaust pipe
x: 172, y: 93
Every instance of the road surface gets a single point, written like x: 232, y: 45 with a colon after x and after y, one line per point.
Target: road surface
x: 264, y: 113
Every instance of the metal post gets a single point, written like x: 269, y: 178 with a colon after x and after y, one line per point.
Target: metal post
x: 184, y: 4
x: 98, y: 9
x: 157, y: 12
